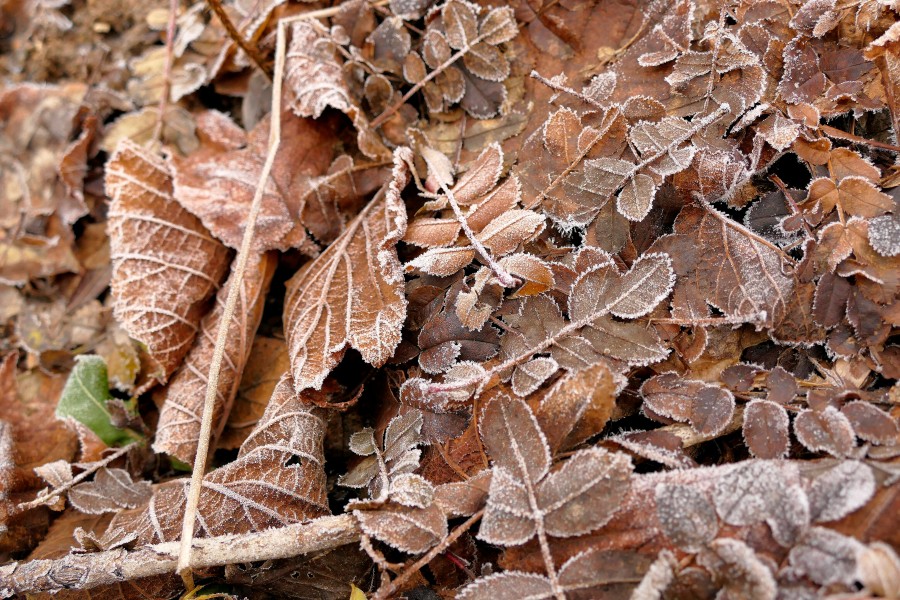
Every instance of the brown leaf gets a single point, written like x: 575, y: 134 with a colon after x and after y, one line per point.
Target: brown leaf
x: 871, y: 423
x: 708, y: 408
x: 514, y: 227
x: 218, y: 185
x: 267, y: 361
x: 352, y: 294
x: 577, y: 406
x: 165, y: 264
x: 728, y: 268
x: 110, y: 490
x: 411, y: 530
x: 765, y: 429
x: 525, y: 497
x: 178, y: 430
x: 315, y: 76
x: 278, y: 478
x: 827, y: 430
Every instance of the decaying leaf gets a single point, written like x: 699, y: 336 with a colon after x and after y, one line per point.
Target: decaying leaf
x: 278, y: 478
x: 165, y: 263
x: 182, y: 400
x: 352, y: 294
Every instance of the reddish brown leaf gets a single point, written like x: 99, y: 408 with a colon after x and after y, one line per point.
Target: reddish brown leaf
x: 178, y: 430
x: 352, y: 294
x: 765, y: 429
x: 278, y: 478
x: 825, y: 431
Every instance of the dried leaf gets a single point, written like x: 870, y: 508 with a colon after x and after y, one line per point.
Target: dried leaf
x: 178, y: 430
x: 352, y: 294
x: 525, y: 497
x: 411, y: 530
x: 708, y: 408
x: 827, y: 430
x: 765, y: 429
x: 278, y: 478
x: 218, y: 185
x: 165, y: 264
x: 111, y: 490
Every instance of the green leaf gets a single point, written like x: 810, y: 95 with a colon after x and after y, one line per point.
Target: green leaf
x: 84, y: 399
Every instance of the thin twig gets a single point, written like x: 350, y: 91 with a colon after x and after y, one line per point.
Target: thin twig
x: 193, y: 500
x: 389, y: 590
x: 167, y: 70
x: 85, y: 571
x: 93, y: 468
x: 249, y: 49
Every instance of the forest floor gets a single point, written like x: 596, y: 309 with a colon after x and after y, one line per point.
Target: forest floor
x: 407, y: 298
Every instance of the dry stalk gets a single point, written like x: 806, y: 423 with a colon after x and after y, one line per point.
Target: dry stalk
x: 85, y: 571
x: 193, y: 500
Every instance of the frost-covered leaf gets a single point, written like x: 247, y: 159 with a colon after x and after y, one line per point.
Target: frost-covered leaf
x: 871, y: 423
x: 755, y: 491
x: 687, y: 516
x: 739, y: 570
x: 165, y: 263
x: 766, y: 430
x: 178, y: 429
x: 352, y: 294
x: 218, y: 184
x: 729, y: 267
x: 577, y: 498
x: 110, y: 490
x: 506, y: 232
x: 846, y: 487
x: 577, y: 406
x: 827, y: 430
x: 826, y: 556
x: 708, y: 408
x: 411, y: 530
x: 398, y: 456
x: 277, y: 479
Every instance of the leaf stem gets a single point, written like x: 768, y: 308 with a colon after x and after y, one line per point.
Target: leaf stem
x: 380, y: 119
x: 167, y: 70
x: 389, y: 590
x: 93, y: 468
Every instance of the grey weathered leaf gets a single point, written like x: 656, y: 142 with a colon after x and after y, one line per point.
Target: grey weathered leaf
x: 845, y: 488
x: 741, y: 571
x: 686, y: 515
x: 826, y: 556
